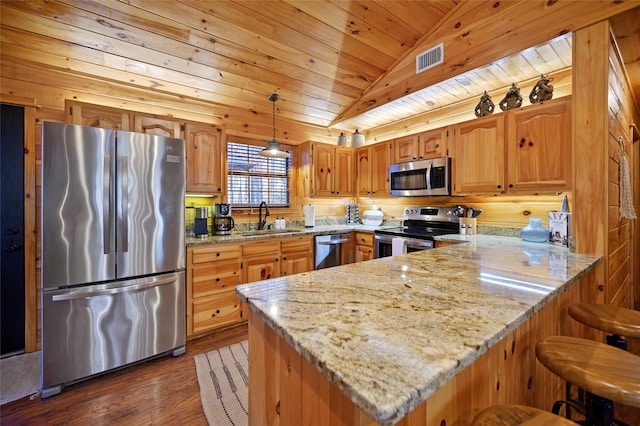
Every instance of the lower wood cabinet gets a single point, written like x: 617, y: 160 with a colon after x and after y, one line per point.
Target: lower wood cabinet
x: 211, y: 312
x: 214, y: 270
x: 261, y: 260
x: 297, y: 255
x: 364, y: 246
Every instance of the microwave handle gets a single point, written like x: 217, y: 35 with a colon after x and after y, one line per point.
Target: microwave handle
x: 429, y: 167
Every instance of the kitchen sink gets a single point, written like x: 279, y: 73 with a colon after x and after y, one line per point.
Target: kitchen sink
x: 269, y: 232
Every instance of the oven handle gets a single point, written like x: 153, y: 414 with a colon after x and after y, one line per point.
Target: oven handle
x: 333, y: 242
x: 414, y: 242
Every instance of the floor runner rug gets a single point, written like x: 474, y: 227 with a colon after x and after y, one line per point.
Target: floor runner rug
x: 224, y: 384
x: 19, y: 376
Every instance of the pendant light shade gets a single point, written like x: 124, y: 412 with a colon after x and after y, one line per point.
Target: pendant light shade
x: 273, y: 149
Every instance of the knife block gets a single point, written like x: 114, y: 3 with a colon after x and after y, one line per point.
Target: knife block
x: 469, y: 225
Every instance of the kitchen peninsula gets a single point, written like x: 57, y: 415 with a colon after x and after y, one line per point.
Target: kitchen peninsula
x: 425, y: 338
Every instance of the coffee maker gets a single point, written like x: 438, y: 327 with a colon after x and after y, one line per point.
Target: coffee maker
x: 222, y: 221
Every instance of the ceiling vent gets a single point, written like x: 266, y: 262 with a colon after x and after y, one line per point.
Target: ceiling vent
x: 430, y: 58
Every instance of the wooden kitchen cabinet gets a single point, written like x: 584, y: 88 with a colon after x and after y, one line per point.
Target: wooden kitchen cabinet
x: 204, y: 152
x: 297, y: 255
x: 328, y: 170
x: 161, y: 126
x: 372, y: 169
x: 364, y: 246
x: 539, y: 147
x: 216, y: 311
x: 405, y: 149
x: 213, y: 271
x: 433, y: 143
x: 261, y: 260
x: 421, y: 146
x: 522, y: 150
x: 479, y: 159
x: 96, y: 116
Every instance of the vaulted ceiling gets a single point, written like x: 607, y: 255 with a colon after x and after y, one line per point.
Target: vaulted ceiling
x: 337, y: 65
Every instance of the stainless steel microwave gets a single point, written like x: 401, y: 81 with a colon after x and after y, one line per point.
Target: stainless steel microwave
x: 421, y: 178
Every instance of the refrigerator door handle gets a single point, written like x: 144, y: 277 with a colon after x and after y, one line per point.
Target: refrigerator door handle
x: 125, y: 205
x: 109, y: 291
x: 106, y: 203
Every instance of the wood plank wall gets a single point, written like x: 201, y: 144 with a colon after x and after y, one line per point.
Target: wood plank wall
x: 619, y: 238
x: 600, y: 86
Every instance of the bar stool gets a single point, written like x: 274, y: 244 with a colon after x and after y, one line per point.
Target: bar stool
x: 599, y: 369
x: 620, y: 322
x: 511, y: 415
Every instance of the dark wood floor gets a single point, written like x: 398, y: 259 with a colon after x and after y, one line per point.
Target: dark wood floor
x: 163, y: 391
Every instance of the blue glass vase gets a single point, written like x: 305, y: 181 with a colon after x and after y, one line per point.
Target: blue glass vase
x: 534, y: 232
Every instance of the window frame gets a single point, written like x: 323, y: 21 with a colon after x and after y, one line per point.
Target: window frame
x: 238, y: 208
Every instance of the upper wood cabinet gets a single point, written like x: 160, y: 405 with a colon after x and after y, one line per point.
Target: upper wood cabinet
x: 405, y: 149
x: 327, y: 170
x: 433, y: 143
x: 523, y: 150
x: 539, y: 147
x: 204, y: 158
x: 421, y: 146
x: 96, y: 116
x: 479, y: 161
x: 160, y: 126
x: 372, y: 169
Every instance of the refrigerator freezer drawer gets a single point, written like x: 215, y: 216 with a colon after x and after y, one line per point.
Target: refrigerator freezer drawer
x: 93, y: 329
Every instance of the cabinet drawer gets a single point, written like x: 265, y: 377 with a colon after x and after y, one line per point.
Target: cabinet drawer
x: 295, y: 244
x: 216, y: 252
x: 261, y: 247
x: 214, y: 311
x: 364, y: 238
x: 212, y: 277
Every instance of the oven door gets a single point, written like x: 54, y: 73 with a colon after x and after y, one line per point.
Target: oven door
x: 382, y: 245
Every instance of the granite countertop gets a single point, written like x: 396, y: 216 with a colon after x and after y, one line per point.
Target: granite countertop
x: 245, y: 235
x: 389, y: 332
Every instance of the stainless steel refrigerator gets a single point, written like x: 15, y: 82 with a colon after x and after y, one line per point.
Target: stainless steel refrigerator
x: 113, y: 252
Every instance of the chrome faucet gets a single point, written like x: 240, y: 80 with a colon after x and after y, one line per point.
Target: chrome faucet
x: 261, y: 221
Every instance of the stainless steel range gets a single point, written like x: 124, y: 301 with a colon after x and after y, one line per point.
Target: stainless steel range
x: 419, y: 226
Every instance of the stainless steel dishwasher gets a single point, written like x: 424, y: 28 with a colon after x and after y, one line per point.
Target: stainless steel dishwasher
x: 329, y: 249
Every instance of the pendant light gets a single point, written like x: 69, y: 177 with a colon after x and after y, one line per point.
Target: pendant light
x: 273, y: 146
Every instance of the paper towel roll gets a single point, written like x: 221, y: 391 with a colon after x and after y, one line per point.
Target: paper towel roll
x: 309, y: 215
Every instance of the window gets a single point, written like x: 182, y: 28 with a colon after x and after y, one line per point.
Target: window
x: 253, y: 179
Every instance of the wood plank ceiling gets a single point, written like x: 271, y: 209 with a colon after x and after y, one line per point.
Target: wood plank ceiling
x: 337, y: 65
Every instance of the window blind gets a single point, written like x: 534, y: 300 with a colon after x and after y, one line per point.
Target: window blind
x: 253, y: 179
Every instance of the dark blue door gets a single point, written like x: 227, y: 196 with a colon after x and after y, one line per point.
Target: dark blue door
x: 12, y: 297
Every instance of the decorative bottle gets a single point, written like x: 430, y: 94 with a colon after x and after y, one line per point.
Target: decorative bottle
x: 534, y: 232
